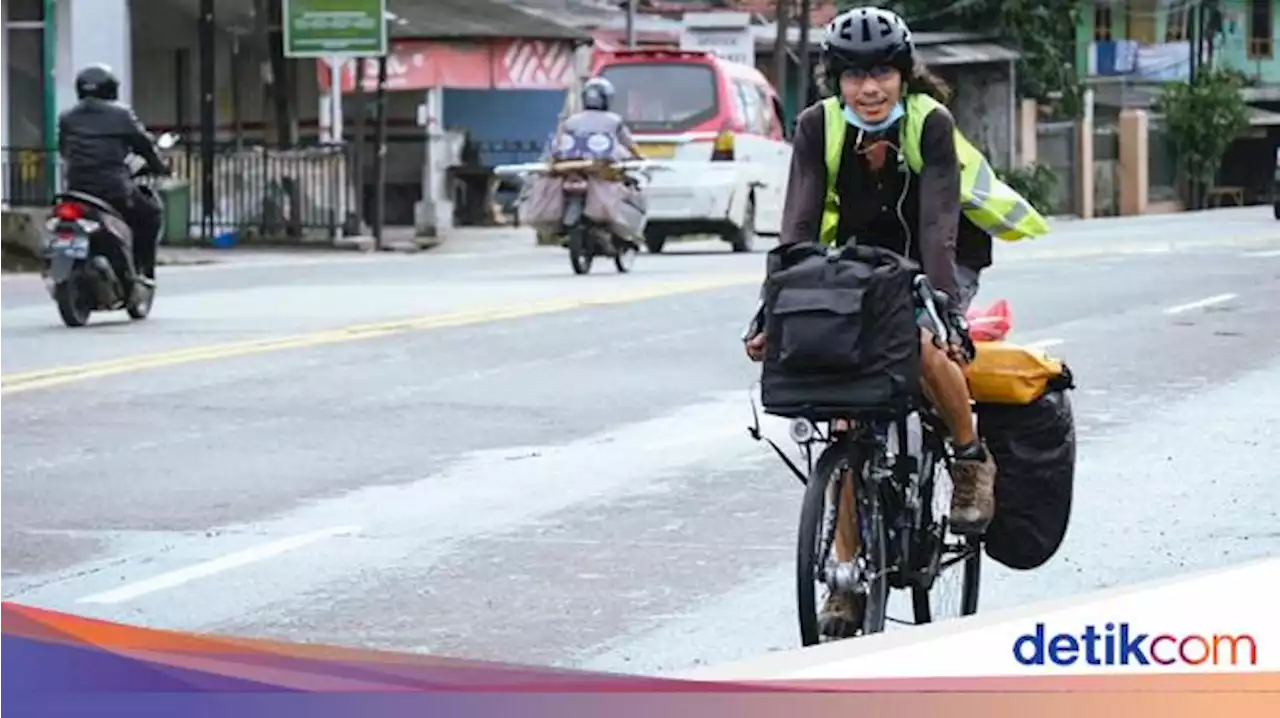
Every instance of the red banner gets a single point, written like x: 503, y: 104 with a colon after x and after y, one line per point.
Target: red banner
x: 501, y: 64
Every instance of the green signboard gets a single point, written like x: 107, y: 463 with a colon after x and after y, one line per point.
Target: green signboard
x: 335, y: 28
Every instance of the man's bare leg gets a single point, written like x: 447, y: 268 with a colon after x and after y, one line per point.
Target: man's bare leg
x: 840, y: 615
x: 973, y: 473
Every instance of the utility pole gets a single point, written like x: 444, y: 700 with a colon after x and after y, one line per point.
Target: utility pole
x: 806, y: 72
x: 380, y: 156
x: 781, y: 49
x: 631, y: 24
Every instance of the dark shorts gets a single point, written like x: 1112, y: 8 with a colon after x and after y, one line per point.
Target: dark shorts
x: 966, y: 286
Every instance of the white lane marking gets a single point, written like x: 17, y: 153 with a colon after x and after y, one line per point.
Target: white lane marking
x: 1046, y: 343
x: 1200, y: 303
x: 1265, y: 253
x: 217, y: 565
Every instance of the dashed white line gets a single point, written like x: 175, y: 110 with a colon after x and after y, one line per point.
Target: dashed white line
x: 1264, y: 253
x: 218, y: 565
x: 1201, y: 303
x: 1046, y: 343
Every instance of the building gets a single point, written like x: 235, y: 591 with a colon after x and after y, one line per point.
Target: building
x: 1128, y: 49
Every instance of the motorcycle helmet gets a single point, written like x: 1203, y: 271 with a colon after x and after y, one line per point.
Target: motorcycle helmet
x: 597, y: 94
x: 97, y: 81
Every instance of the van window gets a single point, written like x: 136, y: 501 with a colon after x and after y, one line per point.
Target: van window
x: 753, y: 108
x: 663, y: 96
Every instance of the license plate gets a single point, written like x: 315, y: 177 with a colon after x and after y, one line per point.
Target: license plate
x: 658, y: 150
x: 70, y: 244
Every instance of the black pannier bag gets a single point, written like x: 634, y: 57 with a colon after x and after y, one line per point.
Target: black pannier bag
x: 842, y: 336
x: 1034, y: 447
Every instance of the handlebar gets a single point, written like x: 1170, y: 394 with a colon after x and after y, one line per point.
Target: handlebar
x: 948, y: 327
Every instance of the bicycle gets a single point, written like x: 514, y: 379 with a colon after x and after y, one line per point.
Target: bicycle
x: 903, y: 537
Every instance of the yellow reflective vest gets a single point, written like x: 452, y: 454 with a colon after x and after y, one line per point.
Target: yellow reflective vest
x: 985, y: 200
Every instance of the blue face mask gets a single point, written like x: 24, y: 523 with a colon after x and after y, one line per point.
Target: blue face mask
x: 894, y: 115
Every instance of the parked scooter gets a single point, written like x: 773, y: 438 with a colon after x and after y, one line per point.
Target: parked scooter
x: 578, y: 164
x: 89, y: 262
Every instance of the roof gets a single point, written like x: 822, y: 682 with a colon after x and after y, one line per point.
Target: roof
x: 474, y: 19
x: 962, y: 53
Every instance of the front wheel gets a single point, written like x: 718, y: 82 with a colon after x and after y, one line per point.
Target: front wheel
x: 139, y: 306
x: 843, y: 464
x: 74, y: 303
x: 580, y: 255
x: 624, y: 257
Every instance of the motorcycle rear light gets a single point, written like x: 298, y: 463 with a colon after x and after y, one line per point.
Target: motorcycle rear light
x: 68, y: 211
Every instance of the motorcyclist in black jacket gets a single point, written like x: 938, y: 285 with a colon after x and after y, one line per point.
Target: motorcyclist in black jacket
x: 94, y: 139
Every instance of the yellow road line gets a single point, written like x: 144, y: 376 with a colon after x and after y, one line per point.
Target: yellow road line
x: 56, y: 376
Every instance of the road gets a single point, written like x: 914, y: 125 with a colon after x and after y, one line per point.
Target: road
x: 503, y: 461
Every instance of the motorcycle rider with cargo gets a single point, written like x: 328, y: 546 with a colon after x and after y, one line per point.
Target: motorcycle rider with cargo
x: 95, y: 138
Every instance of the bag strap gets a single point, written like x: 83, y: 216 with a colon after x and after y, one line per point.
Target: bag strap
x: 876, y: 256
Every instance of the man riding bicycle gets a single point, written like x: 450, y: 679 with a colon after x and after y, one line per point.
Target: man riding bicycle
x: 896, y: 184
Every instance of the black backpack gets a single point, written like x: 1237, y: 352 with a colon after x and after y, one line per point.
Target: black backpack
x: 842, y: 335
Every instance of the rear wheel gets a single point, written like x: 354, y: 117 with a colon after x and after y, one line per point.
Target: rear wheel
x: 842, y: 462
x: 955, y: 561
x: 74, y: 303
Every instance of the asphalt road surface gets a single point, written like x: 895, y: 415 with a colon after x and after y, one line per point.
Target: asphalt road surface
x: 473, y: 452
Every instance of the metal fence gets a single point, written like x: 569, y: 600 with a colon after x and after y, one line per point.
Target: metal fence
x: 1106, y: 170
x: 26, y: 176
x: 1056, y: 147
x: 258, y: 194
x: 1162, y: 165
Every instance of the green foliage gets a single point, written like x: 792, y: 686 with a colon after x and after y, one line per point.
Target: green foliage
x: 1036, y: 183
x: 1043, y: 30
x: 1202, y: 119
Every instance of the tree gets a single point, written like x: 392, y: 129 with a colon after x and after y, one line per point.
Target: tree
x: 1203, y: 117
x: 1043, y: 30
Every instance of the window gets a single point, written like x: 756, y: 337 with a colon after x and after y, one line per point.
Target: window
x: 24, y: 11
x: 1175, y: 29
x: 664, y: 96
x: 1102, y: 21
x: 753, y: 109
x: 1261, y: 30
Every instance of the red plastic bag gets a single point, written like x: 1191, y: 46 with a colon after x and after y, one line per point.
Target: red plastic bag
x: 991, y: 324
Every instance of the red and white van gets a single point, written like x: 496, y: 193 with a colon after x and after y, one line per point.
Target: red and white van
x: 719, y: 123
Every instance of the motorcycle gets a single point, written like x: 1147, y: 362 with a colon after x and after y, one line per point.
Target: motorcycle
x: 88, y: 248
x: 579, y: 161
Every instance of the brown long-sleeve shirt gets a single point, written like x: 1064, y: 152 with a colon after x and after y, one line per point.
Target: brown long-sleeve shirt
x: 887, y: 207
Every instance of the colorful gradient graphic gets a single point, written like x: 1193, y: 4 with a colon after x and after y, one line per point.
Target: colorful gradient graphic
x: 63, y: 665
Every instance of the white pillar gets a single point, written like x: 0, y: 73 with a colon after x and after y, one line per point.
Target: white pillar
x: 91, y: 31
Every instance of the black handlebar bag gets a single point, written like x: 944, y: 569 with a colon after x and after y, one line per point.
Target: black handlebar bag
x: 842, y: 335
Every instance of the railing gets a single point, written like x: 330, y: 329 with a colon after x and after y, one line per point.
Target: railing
x: 26, y: 176
x: 267, y: 195
x: 258, y: 194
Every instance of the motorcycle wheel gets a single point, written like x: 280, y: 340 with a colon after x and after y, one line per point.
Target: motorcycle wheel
x: 73, y: 304
x: 624, y: 257
x: 580, y: 255
x: 140, y: 307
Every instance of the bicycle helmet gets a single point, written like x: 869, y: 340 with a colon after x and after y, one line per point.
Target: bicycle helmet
x: 866, y: 37
x: 97, y: 81
x: 596, y: 94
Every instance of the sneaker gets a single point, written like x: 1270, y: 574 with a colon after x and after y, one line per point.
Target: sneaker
x: 973, y: 494
x: 841, y: 615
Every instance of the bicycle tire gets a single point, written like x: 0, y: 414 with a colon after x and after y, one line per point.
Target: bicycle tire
x: 829, y: 462
x: 971, y: 566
